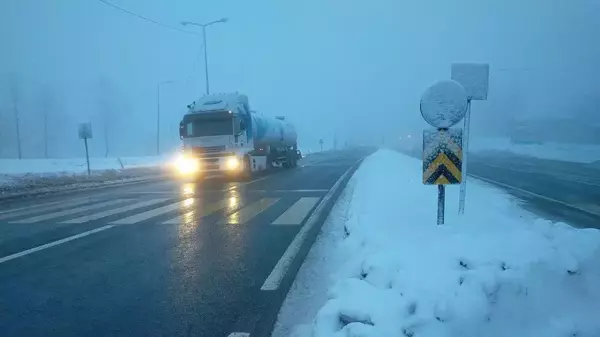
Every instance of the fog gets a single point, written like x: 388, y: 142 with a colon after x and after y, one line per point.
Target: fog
x: 348, y: 70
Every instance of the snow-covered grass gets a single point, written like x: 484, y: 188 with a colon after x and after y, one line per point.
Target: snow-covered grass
x: 581, y: 153
x: 20, y: 176
x: 389, y: 270
x: 74, y: 165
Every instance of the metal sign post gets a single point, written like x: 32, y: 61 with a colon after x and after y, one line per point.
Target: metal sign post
x: 85, y: 132
x: 474, y: 77
x: 443, y: 105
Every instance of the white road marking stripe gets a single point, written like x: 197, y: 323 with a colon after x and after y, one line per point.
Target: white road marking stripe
x: 296, y: 214
x: 99, y: 215
x: 278, y: 273
x: 152, y: 213
x: 199, y: 212
x: 47, y: 206
x: 239, y: 334
x: 58, y: 214
x: 55, y: 243
x: 536, y: 195
x: 247, y: 213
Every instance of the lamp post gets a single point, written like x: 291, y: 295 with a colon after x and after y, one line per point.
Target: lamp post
x: 158, y: 115
x: 204, y: 25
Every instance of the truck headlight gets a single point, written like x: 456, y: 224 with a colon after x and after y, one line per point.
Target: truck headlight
x: 233, y: 163
x: 187, y: 165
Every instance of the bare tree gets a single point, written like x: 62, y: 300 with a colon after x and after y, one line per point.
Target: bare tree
x: 47, y: 105
x: 108, y: 104
x: 14, y: 93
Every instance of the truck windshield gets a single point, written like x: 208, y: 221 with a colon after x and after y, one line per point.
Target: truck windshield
x: 199, y: 126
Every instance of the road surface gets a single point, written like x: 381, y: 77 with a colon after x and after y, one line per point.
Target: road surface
x: 158, y: 258
x: 557, y: 190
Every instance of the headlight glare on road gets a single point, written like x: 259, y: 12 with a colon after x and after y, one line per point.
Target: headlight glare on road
x: 187, y: 165
x: 233, y: 163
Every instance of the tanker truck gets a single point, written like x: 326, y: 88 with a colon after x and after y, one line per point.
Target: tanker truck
x: 222, y: 136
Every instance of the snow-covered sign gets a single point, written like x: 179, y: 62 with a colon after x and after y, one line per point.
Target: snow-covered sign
x: 442, y: 157
x: 85, y: 130
x: 444, y: 104
x: 474, y: 77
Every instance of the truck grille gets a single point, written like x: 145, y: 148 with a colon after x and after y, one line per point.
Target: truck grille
x: 210, y: 151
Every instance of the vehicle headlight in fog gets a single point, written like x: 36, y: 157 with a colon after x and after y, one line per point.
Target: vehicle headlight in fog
x: 233, y: 163
x: 187, y: 165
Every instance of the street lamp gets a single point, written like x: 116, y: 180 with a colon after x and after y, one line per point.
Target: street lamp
x: 204, y: 25
x: 158, y: 115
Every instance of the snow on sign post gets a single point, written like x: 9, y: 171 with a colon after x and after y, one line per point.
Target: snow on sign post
x: 85, y: 132
x: 443, y: 105
x: 474, y: 77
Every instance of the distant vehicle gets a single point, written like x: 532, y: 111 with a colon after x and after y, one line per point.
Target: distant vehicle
x: 222, y: 136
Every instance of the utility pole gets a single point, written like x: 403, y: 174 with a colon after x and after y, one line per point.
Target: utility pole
x: 158, y: 115
x: 45, y: 132
x: 15, y: 99
x: 204, y: 25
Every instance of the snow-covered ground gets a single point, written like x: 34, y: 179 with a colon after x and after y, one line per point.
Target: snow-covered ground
x: 382, y: 267
x: 14, y: 173
x: 581, y: 153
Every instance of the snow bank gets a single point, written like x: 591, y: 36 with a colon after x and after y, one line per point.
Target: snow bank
x: 580, y: 153
x: 496, y: 271
x: 74, y: 165
x: 27, y: 174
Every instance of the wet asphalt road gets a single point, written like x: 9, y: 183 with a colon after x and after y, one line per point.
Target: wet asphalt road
x: 154, y: 259
x: 557, y: 190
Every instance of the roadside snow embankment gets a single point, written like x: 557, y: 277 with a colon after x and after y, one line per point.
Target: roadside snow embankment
x: 32, y: 174
x: 578, y: 153
x: 496, y: 271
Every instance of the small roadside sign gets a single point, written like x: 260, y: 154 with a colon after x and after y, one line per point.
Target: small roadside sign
x: 442, y: 157
x: 474, y: 77
x: 85, y: 132
x: 444, y: 104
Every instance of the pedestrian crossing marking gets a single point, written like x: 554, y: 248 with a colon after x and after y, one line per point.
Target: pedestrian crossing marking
x: 187, y: 203
x: 297, y: 212
x: 123, y: 209
x: 43, y: 207
x: 71, y: 211
x: 206, y: 210
x: 247, y: 213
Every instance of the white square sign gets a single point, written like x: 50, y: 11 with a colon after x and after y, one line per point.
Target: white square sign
x: 85, y: 130
x: 474, y: 77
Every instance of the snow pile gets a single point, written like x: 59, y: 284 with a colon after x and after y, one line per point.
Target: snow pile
x: 74, y: 165
x: 497, y: 271
x: 581, y: 153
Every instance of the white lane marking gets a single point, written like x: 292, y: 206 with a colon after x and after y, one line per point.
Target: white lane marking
x: 274, y: 279
x: 15, y: 212
x: 572, y: 178
x: 118, y: 210
x: 55, y: 243
x: 239, y: 334
x: 154, y: 212
x: 247, y: 213
x: 53, y: 215
x: 290, y: 191
x: 202, y: 211
x: 536, y: 195
x: 297, y: 212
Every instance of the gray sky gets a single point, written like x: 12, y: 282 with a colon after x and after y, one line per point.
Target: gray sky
x: 357, y: 68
